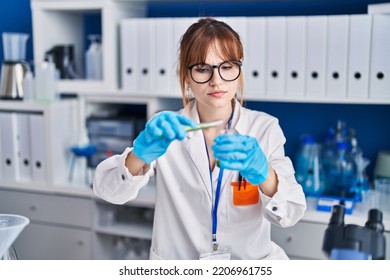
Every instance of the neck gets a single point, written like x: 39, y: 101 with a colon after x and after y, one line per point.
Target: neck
x: 207, y: 115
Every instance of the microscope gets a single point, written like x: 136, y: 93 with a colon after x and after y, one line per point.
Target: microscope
x: 353, y: 242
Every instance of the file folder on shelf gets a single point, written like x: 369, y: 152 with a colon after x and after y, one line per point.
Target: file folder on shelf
x: 359, y: 56
x: 180, y: 26
x: 39, y: 147
x: 316, y: 56
x: 165, y: 57
x: 24, y: 147
x: 296, y: 56
x: 9, y: 146
x: 276, y: 56
x: 255, y: 58
x: 239, y: 24
x: 129, y: 52
x: 380, y: 58
x: 146, y: 55
x: 337, y: 54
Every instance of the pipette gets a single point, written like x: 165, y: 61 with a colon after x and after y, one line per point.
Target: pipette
x: 203, y: 126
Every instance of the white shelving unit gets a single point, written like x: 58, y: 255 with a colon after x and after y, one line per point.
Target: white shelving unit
x: 61, y: 22
x: 56, y: 139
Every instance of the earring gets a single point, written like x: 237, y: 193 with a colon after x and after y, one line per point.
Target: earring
x: 189, y: 94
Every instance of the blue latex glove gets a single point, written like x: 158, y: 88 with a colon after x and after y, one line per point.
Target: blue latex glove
x: 159, y: 132
x: 242, y: 153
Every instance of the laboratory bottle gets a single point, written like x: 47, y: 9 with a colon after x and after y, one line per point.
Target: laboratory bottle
x: 308, y: 167
x: 28, y: 86
x: 360, y: 184
x: 342, y: 171
x: 45, y: 81
x: 93, y: 59
x: 328, y: 153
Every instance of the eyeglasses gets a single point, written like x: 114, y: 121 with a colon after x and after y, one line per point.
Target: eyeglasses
x: 228, y: 71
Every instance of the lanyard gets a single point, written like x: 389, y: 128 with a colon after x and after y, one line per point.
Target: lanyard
x: 217, y: 194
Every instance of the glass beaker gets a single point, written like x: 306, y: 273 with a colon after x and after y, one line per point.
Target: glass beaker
x: 14, y: 45
x: 10, y: 228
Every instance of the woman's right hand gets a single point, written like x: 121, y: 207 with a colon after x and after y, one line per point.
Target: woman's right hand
x: 159, y: 132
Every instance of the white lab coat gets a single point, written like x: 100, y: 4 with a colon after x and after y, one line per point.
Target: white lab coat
x: 182, y: 221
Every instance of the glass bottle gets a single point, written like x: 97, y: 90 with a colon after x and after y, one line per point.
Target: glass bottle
x: 308, y: 167
x: 342, y: 171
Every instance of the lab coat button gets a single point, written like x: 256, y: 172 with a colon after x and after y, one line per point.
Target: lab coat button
x: 274, y: 208
x: 123, y: 177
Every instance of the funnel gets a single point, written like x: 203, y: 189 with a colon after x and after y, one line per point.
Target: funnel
x: 10, y: 228
x: 14, y: 45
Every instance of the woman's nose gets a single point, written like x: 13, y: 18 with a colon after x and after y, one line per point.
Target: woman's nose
x: 216, y: 78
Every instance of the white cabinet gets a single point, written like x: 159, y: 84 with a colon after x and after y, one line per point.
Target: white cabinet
x: 302, y: 241
x: 65, y: 225
x: 60, y: 226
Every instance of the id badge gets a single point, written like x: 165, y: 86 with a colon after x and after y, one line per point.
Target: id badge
x: 223, y: 253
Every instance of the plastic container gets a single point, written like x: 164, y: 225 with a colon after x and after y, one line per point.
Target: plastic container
x: 93, y: 59
x: 14, y: 46
x: 29, y: 86
x: 382, y: 186
x: 45, y: 81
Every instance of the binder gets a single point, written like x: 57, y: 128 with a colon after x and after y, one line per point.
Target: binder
x: 380, y: 59
x: 359, y: 56
x: 165, y: 57
x: 38, y: 147
x: 24, y: 146
x: 276, y: 56
x: 180, y: 26
x: 9, y: 146
x: 239, y: 24
x: 129, y: 52
x: 316, y: 56
x: 146, y: 55
x: 337, y: 54
x: 255, y: 58
x: 296, y: 56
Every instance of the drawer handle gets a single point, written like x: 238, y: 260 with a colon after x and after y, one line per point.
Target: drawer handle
x: 33, y: 208
x: 289, y: 239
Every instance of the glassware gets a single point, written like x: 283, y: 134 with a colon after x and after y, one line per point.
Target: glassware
x: 14, y: 45
x: 360, y: 184
x: 10, y: 228
x: 382, y: 185
x: 308, y: 167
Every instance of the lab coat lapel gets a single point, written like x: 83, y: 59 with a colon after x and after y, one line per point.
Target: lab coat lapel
x: 196, y: 150
x: 195, y: 146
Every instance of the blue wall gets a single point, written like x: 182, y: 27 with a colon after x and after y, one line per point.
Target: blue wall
x: 370, y: 121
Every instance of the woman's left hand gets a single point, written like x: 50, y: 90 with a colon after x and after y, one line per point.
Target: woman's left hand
x: 242, y: 153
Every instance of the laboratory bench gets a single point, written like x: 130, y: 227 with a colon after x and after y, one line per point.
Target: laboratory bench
x: 71, y: 222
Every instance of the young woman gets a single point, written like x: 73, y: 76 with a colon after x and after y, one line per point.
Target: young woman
x: 218, y: 189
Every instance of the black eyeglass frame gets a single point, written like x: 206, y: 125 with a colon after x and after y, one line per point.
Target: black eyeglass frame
x: 238, y: 63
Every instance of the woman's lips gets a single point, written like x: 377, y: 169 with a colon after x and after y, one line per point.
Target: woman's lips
x: 217, y: 93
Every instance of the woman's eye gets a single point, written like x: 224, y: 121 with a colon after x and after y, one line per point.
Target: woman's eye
x: 227, y: 67
x: 202, y: 70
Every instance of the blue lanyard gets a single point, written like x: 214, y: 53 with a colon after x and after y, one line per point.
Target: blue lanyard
x: 214, y: 216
